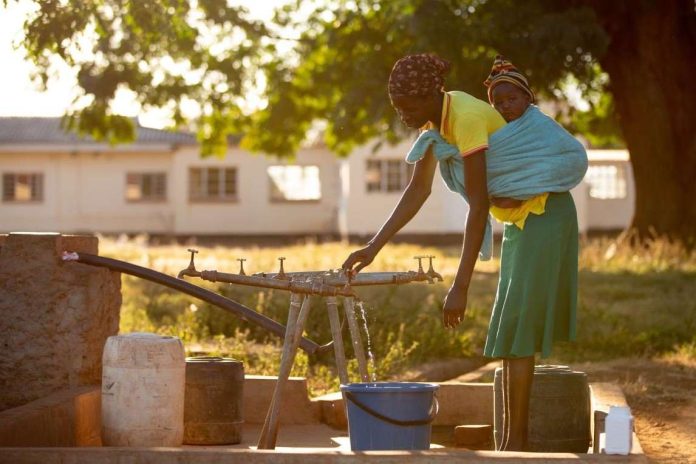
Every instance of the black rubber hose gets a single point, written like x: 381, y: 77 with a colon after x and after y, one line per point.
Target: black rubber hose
x: 201, y: 293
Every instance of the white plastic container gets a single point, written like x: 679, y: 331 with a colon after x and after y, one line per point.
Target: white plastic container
x: 618, y: 430
x: 143, y: 381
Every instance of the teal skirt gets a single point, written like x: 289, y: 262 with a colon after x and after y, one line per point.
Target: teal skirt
x: 536, y: 300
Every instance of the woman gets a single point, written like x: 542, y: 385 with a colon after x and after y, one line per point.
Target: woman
x: 535, y: 301
x: 416, y: 92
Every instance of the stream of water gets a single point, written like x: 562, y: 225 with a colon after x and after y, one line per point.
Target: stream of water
x: 371, y: 366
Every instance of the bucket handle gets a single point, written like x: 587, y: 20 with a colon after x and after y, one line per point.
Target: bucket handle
x: 431, y: 415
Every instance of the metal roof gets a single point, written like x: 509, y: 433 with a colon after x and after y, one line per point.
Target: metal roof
x: 39, y: 131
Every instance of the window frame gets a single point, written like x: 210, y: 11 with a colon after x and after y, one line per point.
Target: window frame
x: 618, y: 187
x: 273, y: 199
x: 37, y: 183
x: 141, y: 176
x: 385, y: 168
x: 205, y: 196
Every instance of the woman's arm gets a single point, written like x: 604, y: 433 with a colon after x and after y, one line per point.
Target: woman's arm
x: 477, y: 191
x: 411, y: 201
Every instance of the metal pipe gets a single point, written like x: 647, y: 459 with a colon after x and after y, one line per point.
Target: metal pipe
x: 339, y: 279
x: 323, y: 283
x: 203, y: 294
x: 302, y: 286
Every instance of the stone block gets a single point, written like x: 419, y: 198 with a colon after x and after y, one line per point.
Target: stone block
x: 604, y: 395
x: 473, y: 436
x: 296, y: 408
x: 67, y: 418
x: 333, y: 410
x: 54, y: 316
x: 464, y: 403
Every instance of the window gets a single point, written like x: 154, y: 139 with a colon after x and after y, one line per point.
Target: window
x: 607, y: 181
x: 25, y: 187
x: 146, y: 186
x: 387, y: 175
x: 213, y: 184
x: 294, y: 183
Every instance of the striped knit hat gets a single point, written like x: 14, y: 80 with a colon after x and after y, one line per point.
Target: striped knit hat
x: 504, y: 71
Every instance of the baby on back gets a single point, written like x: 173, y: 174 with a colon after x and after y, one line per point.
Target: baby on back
x: 511, y: 96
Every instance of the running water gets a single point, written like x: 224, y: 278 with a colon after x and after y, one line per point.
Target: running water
x: 371, y: 366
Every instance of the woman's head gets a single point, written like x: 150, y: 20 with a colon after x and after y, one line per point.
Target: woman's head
x: 508, y: 89
x: 415, y: 87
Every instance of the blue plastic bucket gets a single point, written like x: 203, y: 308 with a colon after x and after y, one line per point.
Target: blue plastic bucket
x: 390, y: 415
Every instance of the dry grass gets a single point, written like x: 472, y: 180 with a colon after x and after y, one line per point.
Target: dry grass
x: 634, y: 300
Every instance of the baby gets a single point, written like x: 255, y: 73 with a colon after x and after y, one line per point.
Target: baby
x: 508, y: 89
x: 510, y: 95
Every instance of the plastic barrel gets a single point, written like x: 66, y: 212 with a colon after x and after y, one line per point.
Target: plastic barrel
x: 559, y: 410
x: 213, y: 401
x: 143, y: 390
x: 390, y: 415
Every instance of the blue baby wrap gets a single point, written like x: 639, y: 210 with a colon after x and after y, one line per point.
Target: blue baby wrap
x: 526, y: 157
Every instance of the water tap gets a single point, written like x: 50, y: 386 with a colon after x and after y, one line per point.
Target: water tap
x: 281, y: 275
x: 191, y: 269
x: 420, y: 264
x: 241, y: 266
x: 431, y: 272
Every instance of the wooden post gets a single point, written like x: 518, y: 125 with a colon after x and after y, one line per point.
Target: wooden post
x: 339, y: 350
x: 296, y: 320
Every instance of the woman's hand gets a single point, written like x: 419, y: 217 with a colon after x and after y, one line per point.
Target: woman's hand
x: 504, y: 202
x: 454, y: 306
x: 360, y: 258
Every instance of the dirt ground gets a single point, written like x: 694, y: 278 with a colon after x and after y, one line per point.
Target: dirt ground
x: 662, y: 396
x: 660, y: 392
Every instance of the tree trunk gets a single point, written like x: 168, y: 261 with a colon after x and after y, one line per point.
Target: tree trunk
x: 651, y: 60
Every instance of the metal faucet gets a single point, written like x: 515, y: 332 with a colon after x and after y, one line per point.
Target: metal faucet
x: 281, y: 275
x: 421, y: 274
x: 420, y: 264
x: 431, y: 272
x: 191, y: 269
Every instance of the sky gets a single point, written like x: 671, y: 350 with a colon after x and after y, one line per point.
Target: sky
x: 19, y: 96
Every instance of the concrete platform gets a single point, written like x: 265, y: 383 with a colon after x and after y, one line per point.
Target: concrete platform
x: 63, y: 429
x: 282, y: 455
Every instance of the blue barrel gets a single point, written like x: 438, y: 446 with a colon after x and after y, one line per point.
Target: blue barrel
x: 390, y: 415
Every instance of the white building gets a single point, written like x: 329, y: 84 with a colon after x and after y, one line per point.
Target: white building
x: 53, y: 181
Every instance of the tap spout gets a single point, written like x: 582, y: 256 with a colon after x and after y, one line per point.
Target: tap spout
x: 191, y: 269
x: 431, y: 272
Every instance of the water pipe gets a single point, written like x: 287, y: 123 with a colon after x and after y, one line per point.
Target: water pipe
x: 323, y: 283
x: 203, y: 294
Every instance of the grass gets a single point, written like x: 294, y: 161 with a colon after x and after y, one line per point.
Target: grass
x: 633, y: 300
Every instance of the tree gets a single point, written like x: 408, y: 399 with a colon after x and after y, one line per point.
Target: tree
x: 646, y: 47
x: 167, y: 52
x: 338, y: 71
x: 651, y: 51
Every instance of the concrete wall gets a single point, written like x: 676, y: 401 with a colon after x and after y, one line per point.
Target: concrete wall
x: 54, y: 316
x: 254, y: 212
x: 613, y: 214
x: 85, y: 191
x: 365, y: 212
